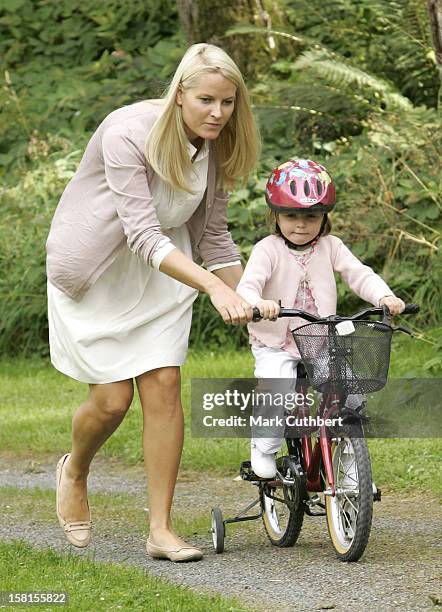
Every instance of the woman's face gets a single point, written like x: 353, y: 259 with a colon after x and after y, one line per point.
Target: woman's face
x: 207, y: 106
x: 300, y: 228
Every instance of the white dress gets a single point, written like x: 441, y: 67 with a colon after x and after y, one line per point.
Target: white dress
x: 134, y: 318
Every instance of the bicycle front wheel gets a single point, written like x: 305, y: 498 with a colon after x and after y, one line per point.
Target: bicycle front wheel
x: 350, y: 511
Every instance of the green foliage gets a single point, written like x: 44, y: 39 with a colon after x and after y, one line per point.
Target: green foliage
x: 353, y: 85
x: 77, y: 62
x: 343, y: 74
x: 337, y: 99
x: 27, y: 211
x: 78, y: 32
x: 389, y: 38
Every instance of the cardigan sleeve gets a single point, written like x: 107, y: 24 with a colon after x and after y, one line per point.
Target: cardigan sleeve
x: 216, y: 245
x: 360, y: 278
x: 256, y: 274
x: 126, y: 177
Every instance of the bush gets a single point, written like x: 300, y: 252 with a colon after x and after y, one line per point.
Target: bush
x: 334, y: 96
x: 27, y: 212
x: 68, y: 65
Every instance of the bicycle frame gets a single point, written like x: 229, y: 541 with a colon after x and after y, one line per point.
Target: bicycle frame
x: 312, y: 454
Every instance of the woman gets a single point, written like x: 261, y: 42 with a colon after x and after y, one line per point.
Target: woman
x: 147, y: 202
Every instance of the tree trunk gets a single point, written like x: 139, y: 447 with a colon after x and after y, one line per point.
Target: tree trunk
x: 206, y: 21
x: 435, y: 13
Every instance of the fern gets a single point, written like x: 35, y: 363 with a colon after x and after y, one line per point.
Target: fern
x: 340, y: 73
x: 389, y: 38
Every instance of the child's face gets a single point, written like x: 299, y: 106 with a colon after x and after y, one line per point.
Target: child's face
x: 300, y: 228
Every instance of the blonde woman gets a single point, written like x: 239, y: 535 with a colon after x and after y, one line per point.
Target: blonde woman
x: 146, y: 206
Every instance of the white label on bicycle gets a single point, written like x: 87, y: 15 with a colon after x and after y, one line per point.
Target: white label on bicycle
x: 344, y: 328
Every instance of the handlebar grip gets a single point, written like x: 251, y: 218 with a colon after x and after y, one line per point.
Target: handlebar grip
x: 256, y: 314
x: 411, y: 309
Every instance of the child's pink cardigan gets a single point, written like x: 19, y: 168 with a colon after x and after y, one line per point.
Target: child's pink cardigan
x: 272, y: 274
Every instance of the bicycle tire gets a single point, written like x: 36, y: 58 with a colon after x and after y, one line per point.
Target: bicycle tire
x: 282, y: 533
x: 349, y: 515
x: 218, y: 530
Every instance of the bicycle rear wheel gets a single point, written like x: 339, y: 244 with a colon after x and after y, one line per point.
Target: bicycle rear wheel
x: 350, y: 511
x: 282, y: 510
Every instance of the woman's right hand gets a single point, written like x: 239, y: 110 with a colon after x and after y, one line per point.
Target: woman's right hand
x: 234, y: 309
x: 268, y: 309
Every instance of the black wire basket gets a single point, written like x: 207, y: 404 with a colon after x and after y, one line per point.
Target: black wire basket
x: 349, y: 358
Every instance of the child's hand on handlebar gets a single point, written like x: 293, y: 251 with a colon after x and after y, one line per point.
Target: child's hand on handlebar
x: 268, y: 309
x: 394, y: 304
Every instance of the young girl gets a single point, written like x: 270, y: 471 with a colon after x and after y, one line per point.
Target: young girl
x: 296, y: 265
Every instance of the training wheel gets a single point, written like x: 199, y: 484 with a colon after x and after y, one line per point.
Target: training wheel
x: 217, y: 530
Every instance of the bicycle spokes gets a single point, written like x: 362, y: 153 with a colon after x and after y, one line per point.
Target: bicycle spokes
x: 349, y: 510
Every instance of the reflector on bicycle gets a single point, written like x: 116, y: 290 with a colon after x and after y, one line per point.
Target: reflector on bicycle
x: 345, y: 327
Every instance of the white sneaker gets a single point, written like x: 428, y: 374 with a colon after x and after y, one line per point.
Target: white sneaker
x: 263, y: 464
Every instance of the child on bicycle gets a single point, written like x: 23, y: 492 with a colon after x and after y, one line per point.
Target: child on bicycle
x: 296, y: 264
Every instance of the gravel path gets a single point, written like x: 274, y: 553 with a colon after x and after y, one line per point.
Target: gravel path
x: 399, y: 569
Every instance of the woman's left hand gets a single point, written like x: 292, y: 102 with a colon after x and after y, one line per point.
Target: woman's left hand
x: 394, y: 304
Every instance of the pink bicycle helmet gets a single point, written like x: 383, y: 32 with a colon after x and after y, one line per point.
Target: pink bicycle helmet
x: 300, y: 185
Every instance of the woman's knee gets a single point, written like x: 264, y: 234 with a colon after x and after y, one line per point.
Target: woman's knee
x: 162, y: 385
x: 167, y: 378
x: 113, y: 400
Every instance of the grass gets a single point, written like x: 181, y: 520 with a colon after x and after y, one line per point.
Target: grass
x: 406, y: 464
x: 37, y: 404
x: 98, y: 586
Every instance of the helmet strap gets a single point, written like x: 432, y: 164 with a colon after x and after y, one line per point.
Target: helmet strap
x: 311, y: 242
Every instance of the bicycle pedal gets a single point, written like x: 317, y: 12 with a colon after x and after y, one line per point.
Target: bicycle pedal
x: 284, y: 479
x: 275, y: 482
x: 248, y: 474
x: 245, y: 471
x: 313, y: 501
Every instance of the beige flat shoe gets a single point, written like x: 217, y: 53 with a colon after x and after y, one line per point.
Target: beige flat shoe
x: 183, y: 553
x: 77, y: 533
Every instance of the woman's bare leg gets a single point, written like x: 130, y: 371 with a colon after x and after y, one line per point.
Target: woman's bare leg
x: 94, y: 421
x: 163, y: 434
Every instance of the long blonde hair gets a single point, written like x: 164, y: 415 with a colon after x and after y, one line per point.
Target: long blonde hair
x: 237, y: 147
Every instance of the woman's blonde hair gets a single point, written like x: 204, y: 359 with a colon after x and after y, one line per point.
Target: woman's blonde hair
x: 237, y: 147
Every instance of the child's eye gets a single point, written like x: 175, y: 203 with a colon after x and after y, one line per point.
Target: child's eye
x: 205, y: 100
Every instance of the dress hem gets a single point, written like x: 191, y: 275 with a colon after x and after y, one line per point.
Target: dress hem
x: 151, y: 364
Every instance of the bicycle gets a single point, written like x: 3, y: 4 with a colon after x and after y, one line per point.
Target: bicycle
x: 330, y: 475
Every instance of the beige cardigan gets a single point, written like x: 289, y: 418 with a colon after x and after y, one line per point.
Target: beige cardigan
x: 107, y: 203
x: 272, y: 274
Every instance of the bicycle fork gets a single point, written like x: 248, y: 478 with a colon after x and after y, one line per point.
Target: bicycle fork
x: 313, y: 461
x: 313, y: 456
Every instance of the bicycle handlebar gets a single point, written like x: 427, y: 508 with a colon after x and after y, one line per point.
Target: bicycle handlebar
x: 367, y: 312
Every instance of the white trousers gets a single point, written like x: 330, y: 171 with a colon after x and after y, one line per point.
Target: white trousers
x: 276, y: 363
x: 273, y: 363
